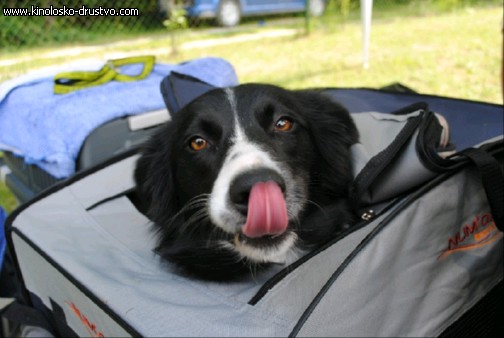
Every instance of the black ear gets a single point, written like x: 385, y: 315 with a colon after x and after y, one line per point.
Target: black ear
x: 333, y: 132
x: 154, y: 177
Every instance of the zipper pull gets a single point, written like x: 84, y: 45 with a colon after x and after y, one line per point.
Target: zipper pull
x: 368, y: 215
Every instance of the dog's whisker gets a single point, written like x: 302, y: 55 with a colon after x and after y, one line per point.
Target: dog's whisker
x: 195, y: 221
x: 253, y: 271
x: 295, y: 223
x: 318, y: 206
x: 195, y: 202
x: 215, y: 235
x: 198, y: 215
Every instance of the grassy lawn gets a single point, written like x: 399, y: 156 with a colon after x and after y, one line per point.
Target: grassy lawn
x: 7, y: 201
x: 441, y: 55
x: 452, y: 53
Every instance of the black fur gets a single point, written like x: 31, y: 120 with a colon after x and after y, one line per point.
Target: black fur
x: 169, y: 174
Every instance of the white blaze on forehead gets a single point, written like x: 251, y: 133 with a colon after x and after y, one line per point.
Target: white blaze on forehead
x: 232, y: 101
x: 238, y: 133
x: 242, y: 156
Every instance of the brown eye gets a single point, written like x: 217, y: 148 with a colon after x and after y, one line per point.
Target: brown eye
x: 284, y: 124
x: 198, y: 143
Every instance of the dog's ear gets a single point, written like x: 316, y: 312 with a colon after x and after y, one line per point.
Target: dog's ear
x: 333, y: 132
x: 154, y: 177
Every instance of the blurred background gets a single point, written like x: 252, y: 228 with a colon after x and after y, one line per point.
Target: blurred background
x: 442, y: 47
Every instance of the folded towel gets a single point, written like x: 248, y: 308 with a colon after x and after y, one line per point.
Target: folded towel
x: 49, y: 129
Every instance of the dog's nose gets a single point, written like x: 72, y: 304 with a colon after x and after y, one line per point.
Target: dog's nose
x: 239, y: 190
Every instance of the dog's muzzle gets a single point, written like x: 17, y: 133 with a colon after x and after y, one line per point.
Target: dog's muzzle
x: 259, y: 195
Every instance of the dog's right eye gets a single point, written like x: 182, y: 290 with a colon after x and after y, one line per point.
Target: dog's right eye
x: 198, y: 143
x: 284, y: 124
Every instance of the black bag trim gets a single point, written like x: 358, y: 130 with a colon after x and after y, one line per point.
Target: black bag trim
x: 108, y: 199
x: 493, y: 182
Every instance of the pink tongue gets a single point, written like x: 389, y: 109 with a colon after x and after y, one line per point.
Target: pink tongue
x: 267, y: 213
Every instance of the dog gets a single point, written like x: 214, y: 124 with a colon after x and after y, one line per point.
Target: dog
x: 245, y: 177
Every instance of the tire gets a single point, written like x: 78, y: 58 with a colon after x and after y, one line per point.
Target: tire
x: 317, y: 7
x: 229, y: 13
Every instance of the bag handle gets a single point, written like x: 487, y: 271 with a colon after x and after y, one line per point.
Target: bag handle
x: 382, y: 160
x: 493, y: 181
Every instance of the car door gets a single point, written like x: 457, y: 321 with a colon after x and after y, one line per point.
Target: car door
x: 269, y: 6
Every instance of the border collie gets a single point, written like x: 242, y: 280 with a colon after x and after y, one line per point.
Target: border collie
x: 245, y: 177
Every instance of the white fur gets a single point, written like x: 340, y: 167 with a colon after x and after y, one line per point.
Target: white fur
x: 242, y: 156
x: 283, y: 253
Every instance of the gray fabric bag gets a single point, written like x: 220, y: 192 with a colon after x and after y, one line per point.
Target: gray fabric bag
x: 426, y: 251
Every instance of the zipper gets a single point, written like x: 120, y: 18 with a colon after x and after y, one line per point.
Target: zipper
x: 368, y: 215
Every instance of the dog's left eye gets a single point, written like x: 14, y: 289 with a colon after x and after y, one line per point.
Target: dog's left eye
x: 284, y: 124
x: 198, y: 143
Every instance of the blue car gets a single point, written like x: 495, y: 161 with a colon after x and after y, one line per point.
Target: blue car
x: 229, y: 12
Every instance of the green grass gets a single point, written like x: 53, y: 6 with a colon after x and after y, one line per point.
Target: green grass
x: 454, y: 53
x: 443, y: 55
x: 7, y: 201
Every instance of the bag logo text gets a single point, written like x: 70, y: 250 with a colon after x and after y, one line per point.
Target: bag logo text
x: 90, y: 327
x: 480, y: 232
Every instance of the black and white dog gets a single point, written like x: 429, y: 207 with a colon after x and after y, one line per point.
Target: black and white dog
x: 247, y: 176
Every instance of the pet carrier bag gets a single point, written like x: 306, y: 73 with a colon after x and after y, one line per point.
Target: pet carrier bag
x: 425, y: 260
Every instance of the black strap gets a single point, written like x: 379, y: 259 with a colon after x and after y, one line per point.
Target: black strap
x: 411, y: 108
x: 25, y: 315
x: 493, y: 181
x: 398, y: 87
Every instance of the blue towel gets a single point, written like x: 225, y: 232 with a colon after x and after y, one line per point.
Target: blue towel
x: 48, y: 130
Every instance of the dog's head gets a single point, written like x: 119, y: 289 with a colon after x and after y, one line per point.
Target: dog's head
x: 231, y: 179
